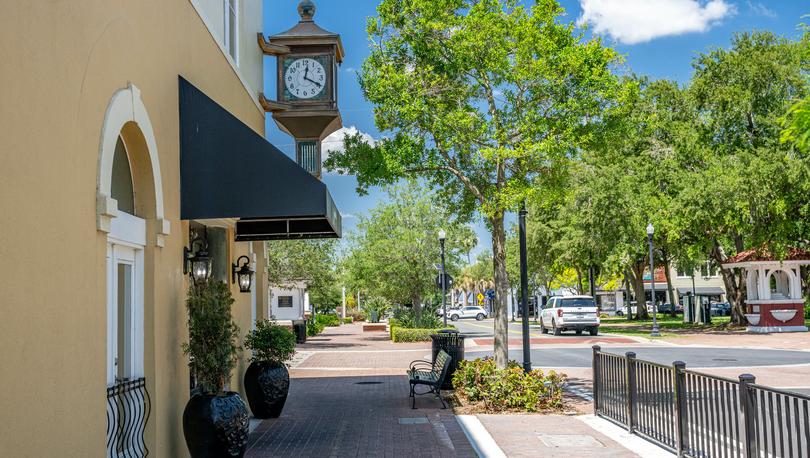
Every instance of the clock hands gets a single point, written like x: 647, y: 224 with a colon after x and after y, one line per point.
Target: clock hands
x: 306, y: 72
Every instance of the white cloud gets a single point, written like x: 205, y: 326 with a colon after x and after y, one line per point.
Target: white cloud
x: 348, y: 215
x: 334, y: 142
x: 637, y: 21
x: 760, y: 9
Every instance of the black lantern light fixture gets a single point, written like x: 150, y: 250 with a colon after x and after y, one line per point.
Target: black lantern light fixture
x: 243, y: 275
x: 197, y: 263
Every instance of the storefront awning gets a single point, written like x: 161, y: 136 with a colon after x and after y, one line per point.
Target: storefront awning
x: 229, y: 171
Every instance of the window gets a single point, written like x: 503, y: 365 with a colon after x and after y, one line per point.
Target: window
x: 232, y: 28
x: 285, y: 301
x: 708, y: 270
x: 577, y: 302
x: 122, y: 189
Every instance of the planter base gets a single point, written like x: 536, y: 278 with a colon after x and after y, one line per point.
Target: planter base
x: 374, y: 327
x: 216, y: 426
x: 266, y: 387
x: 770, y: 329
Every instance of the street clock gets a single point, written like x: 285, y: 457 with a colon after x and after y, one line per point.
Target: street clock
x: 308, y: 57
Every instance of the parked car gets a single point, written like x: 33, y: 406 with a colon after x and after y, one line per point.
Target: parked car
x: 667, y: 308
x: 471, y: 311
x: 570, y: 313
x: 719, y: 308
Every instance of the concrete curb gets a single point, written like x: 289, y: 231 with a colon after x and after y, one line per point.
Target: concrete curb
x: 480, y: 439
x: 629, y: 441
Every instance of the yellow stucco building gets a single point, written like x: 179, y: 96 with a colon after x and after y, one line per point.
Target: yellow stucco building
x: 92, y: 231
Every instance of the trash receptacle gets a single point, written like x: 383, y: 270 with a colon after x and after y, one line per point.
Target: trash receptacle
x: 451, y: 342
x: 300, y: 332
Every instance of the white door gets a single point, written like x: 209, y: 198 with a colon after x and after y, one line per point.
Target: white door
x: 125, y: 298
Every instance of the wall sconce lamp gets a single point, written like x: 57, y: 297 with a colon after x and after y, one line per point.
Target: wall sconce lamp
x: 198, y: 263
x: 242, y: 275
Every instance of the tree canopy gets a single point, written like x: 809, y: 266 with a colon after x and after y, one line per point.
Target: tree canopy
x: 484, y: 100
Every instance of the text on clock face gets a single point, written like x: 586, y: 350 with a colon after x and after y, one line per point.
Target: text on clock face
x: 305, y: 78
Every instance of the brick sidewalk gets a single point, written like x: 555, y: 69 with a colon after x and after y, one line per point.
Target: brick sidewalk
x: 349, y: 398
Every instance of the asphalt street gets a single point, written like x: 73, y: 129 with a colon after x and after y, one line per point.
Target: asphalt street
x: 580, y: 355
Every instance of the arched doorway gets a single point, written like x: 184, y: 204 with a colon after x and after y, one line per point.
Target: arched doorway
x: 130, y: 212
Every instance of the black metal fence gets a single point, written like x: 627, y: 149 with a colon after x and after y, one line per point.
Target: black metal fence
x: 699, y: 415
x: 128, y: 407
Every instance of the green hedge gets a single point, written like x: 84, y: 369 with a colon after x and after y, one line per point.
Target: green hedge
x: 348, y: 320
x: 328, y: 320
x: 314, y: 328
x: 400, y: 334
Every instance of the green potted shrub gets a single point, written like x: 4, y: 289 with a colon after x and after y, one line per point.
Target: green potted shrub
x: 215, y: 421
x: 267, y: 380
x: 375, y: 308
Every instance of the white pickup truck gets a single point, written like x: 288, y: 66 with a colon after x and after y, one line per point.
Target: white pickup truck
x: 565, y: 313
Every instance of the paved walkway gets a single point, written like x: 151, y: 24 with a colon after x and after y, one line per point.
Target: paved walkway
x: 349, y: 398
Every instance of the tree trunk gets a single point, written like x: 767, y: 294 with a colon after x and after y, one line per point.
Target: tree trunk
x: 637, y: 277
x: 670, y: 293
x: 579, y: 281
x: 417, y: 308
x: 501, y: 349
x: 629, y: 296
x: 734, y: 283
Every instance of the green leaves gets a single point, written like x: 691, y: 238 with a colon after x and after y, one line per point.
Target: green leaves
x: 481, y: 97
x: 270, y: 342
x: 213, y: 336
x: 396, y: 246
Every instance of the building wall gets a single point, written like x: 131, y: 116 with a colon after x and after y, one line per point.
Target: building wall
x: 250, y: 57
x: 62, y: 62
x: 296, y: 312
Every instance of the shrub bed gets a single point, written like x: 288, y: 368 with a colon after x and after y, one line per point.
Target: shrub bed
x: 479, y: 382
x: 400, y: 334
x: 328, y: 320
x: 348, y: 320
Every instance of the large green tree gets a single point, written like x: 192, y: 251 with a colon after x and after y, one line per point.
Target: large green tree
x: 749, y: 189
x: 312, y: 261
x: 481, y: 99
x: 394, y: 251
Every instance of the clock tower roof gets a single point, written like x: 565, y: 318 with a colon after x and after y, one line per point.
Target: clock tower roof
x: 307, y: 32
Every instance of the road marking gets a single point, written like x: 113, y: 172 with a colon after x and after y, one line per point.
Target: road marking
x: 493, y: 330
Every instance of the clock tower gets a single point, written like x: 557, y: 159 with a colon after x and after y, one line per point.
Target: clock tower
x: 307, y: 70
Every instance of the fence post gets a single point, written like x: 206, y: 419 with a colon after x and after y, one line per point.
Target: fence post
x: 679, y: 382
x: 747, y: 416
x: 632, y: 391
x: 596, y: 374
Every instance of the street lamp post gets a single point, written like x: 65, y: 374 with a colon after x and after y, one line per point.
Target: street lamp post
x: 442, y: 236
x: 655, y: 331
x: 524, y: 290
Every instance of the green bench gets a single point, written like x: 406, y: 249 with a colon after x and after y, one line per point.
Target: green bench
x: 429, y: 374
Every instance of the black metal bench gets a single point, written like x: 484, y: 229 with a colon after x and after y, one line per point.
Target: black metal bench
x: 429, y: 374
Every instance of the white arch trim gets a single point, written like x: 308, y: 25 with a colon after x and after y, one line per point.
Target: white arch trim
x: 126, y: 106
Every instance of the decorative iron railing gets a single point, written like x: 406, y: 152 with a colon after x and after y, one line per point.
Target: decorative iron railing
x: 699, y: 415
x: 128, y: 408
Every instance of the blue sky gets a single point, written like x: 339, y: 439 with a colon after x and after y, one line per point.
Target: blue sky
x: 658, y: 38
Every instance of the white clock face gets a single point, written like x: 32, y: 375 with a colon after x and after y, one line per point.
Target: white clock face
x: 305, y: 78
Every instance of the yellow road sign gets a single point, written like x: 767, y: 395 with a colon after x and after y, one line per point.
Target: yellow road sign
x: 480, y: 298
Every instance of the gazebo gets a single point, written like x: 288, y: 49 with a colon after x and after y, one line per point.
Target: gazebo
x: 774, y: 301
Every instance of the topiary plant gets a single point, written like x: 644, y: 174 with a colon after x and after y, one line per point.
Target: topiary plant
x: 270, y: 342
x: 212, y: 334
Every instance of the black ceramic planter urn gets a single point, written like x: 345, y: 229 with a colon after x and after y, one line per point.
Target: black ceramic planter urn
x: 216, y: 425
x: 266, y: 386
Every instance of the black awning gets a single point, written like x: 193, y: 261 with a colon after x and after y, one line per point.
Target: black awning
x: 229, y: 171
